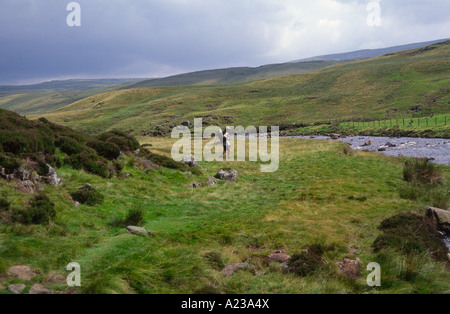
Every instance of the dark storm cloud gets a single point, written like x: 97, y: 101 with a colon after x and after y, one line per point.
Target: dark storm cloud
x: 137, y: 38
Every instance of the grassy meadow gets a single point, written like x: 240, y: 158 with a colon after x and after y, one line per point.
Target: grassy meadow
x: 319, y: 195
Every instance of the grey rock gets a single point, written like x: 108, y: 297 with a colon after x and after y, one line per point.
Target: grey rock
x: 16, y: 289
x: 27, y: 187
x: 229, y: 175
x: 38, y: 289
x: 230, y: 269
x: 389, y: 144
x: 279, y: 256
x: 22, y: 174
x: 442, y: 218
x: 53, y: 178
x: 21, y: 272
x: 190, y: 161
x: 195, y: 185
x: 211, y: 181
x: 368, y: 143
x: 138, y: 231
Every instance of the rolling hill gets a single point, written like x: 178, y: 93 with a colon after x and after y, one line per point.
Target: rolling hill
x: 372, y: 88
x: 48, y: 96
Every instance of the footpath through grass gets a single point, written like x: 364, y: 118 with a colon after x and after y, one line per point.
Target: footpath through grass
x: 318, y: 195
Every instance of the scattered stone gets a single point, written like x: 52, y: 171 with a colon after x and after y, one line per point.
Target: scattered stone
x: 382, y: 149
x: 53, y: 178
x: 16, y: 289
x: 211, y: 181
x: 55, y: 278
x: 22, y: 272
x: 195, y: 185
x: 442, y: 218
x: 230, y: 269
x: 77, y: 204
x: 137, y: 151
x: 38, y: 289
x: 279, y: 256
x: 350, y: 267
x: 335, y: 136
x: 22, y: 174
x: 139, y: 231
x: 190, y: 161
x: 416, y: 108
x: 229, y: 175
x: 389, y: 144
x: 368, y: 143
x: 26, y: 187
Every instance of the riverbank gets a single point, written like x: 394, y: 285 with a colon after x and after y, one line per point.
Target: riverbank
x: 437, y: 150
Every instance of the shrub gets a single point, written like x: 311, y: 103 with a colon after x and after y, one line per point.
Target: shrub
x: 9, y: 163
x: 422, y: 171
x: 87, y: 195
x: 411, y: 233
x: 107, y: 150
x: 4, y: 205
x: 134, y: 217
x: 305, y: 263
x: 123, y: 141
x: 41, y: 210
x: 68, y: 145
x: 98, y: 168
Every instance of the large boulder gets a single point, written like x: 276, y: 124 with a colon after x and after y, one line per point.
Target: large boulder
x: 227, y: 175
x: 190, y: 161
x: 22, y: 272
x: 442, y: 218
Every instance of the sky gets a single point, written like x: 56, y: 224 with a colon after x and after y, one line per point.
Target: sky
x: 158, y: 38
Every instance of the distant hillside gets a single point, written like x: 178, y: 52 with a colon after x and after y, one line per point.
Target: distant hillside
x: 369, y: 53
x: 387, y: 86
x: 62, y: 86
x: 234, y: 75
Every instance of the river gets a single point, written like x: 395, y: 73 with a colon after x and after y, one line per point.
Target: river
x: 436, y: 149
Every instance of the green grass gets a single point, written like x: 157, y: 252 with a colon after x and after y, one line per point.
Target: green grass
x: 434, y: 126
x: 373, y: 89
x: 319, y: 195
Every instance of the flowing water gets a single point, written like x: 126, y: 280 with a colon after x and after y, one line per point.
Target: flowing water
x: 436, y: 149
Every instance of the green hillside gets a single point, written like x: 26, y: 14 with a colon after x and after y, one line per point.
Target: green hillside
x: 323, y: 208
x: 387, y: 86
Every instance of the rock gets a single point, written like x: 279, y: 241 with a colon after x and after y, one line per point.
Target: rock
x: 54, y: 278
x: 186, y: 123
x: 53, y: 178
x: 26, y: 187
x: 22, y: 174
x: 229, y: 175
x: 22, y: 272
x: 195, y: 185
x: 441, y: 216
x: 77, y: 204
x: 16, y: 289
x: 389, y: 144
x: 137, y: 151
x: 285, y: 267
x: 38, y: 289
x: 138, y: 231
x: 279, y: 256
x: 335, y: 136
x: 211, y: 181
x: 416, y: 108
x: 382, y: 149
x: 190, y: 161
x: 368, y: 143
x: 230, y: 269
x: 350, y: 267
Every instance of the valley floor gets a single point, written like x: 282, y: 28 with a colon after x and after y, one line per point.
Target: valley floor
x: 319, y: 195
